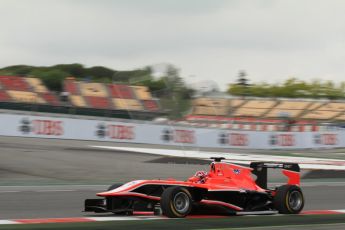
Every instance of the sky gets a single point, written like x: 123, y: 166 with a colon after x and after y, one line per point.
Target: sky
x: 208, y: 40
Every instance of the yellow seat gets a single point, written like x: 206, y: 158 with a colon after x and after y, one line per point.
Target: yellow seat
x: 236, y: 102
x: 334, y: 106
x: 259, y: 104
x: 289, y: 107
x: 326, y: 111
x: 77, y: 101
x: 37, y: 85
x: 315, y: 105
x: 27, y: 97
x: 321, y: 114
x: 253, y: 108
x: 249, y: 112
x: 127, y: 104
x: 210, y: 111
x: 279, y: 112
x: 293, y: 105
x: 93, y: 89
x: 211, y: 102
x: 341, y: 117
x: 142, y: 92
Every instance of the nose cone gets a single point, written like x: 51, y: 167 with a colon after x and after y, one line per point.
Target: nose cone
x: 103, y: 193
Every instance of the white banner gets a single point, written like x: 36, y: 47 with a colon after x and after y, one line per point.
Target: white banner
x: 148, y: 133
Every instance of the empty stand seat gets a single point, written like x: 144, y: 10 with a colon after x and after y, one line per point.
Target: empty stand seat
x: 293, y: 105
x: 14, y: 83
x: 284, y: 113
x: 211, y: 102
x: 77, y: 101
x: 341, y: 117
x: 334, y: 106
x: 211, y: 111
x: 150, y: 105
x: 98, y: 102
x: 37, y: 85
x: 121, y: 91
x: 315, y: 105
x: 249, y: 112
x: 253, y: 108
x: 260, y: 104
x: 236, y: 102
x: 71, y: 87
x: 142, y: 92
x: 127, y: 104
x: 321, y: 115
x: 4, y: 96
x: 50, y: 98
x: 28, y: 97
x: 93, y: 89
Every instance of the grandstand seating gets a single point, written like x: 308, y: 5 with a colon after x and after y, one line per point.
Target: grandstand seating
x: 320, y: 115
x: 71, y: 87
x: 77, y: 100
x: 14, y: 83
x: 127, y: 104
x: 142, y: 92
x: 50, y: 98
x: 268, y: 108
x: 98, y: 102
x: 4, y: 96
x: 211, y: 111
x: 121, y: 91
x: 26, y: 97
x: 110, y: 96
x: 211, y: 106
x: 151, y: 105
x: 326, y: 111
x: 25, y: 90
x: 288, y: 108
x: 249, y: 112
x: 93, y: 89
x: 211, y: 102
x: 315, y: 105
x: 36, y: 85
x: 254, y: 108
x: 236, y: 102
x: 340, y: 117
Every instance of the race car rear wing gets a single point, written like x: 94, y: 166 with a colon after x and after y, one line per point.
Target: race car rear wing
x: 291, y: 170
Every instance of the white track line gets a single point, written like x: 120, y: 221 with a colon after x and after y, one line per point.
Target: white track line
x: 304, y: 162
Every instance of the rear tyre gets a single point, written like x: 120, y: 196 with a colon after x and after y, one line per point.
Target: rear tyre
x: 289, y: 199
x: 176, y: 202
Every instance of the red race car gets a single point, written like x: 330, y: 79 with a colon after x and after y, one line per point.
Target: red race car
x: 226, y: 189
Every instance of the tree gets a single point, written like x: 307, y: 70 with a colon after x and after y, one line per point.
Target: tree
x: 52, y: 78
x: 242, y: 78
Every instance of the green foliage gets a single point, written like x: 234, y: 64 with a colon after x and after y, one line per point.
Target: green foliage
x: 291, y: 88
x: 51, y: 78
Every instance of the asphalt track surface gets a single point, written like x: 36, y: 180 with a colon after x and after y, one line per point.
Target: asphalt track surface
x: 51, y: 178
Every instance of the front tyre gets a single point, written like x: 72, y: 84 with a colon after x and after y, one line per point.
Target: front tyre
x: 176, y: 202
x: 289, y: 199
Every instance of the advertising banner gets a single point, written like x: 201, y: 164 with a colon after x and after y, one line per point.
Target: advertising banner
x: 149, y: 133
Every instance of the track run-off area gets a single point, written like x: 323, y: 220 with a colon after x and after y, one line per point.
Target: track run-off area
x: 44, y: 181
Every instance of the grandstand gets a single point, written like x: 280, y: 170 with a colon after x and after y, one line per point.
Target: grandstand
x: 25, y: 90
x: 110, y: 96
x: 127, y: 101
x: 20, y: 92
x: 264, y: 114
